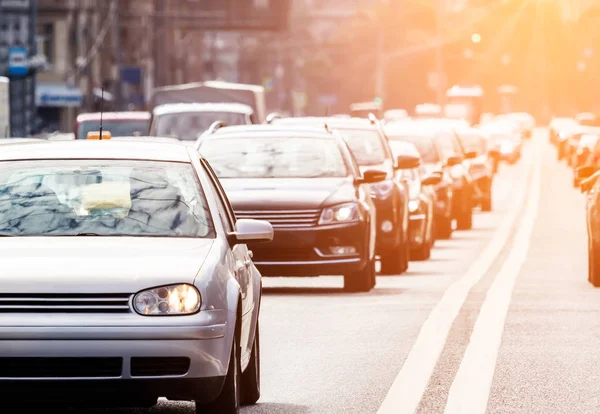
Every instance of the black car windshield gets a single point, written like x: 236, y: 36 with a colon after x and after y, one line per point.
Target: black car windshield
x: 424, y: 144
x: 189, y: 125
x: 117, y: 128
x: 289, y: 157
x: 365, y: 145
x: 473, y: 142
x: 103, y: 198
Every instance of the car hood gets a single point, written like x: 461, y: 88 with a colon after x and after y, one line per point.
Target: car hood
x: 98, y: 264
x: 287, y: 193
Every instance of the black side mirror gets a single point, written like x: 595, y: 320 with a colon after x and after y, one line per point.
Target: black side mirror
x: 372, y: 176
x: 494, y: 153
x: 407, y: 162
x: 433, y: 179
x: 585, y: 172
x: 470, y: 155
x: 453, y: 160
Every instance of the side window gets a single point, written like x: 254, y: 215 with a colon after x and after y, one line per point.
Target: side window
x: 225, y: 213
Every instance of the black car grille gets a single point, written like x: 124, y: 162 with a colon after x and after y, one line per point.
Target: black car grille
x: 267, y: 254
x: 60, y: 367
x: 283, y: 218
x: 64, y: 303
x: 159, y: 366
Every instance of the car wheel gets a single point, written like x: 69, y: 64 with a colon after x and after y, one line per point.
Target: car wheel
x: 361, y: 281
x: 486, y: 204
x: 594, y: 266
x: 465, y: 220
x: 228, y: 402
x: 251, y: 377
x: 393, y: 263
x: 423, y: 252
x: 444, y: 228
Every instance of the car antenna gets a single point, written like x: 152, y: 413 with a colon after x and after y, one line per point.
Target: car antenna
x: 101, y: 109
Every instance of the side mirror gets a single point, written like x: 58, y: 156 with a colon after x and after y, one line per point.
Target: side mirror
x: 587, y: 184
x: 248, y: 230
x: 433, y: 179
x: 407, y: 162
x: 585, y: 172
x: 373, y: 176
x: 453, y: 160
x: 470, y: 155
x: 494, y: 153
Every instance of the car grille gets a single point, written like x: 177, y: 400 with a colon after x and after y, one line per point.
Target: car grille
x: 266, y: 254
x: 60, y: 367
x: 159, y: 366
x: 283, y: 218
x: 64, y: 303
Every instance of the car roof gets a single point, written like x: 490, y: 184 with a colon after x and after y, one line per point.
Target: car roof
x: 409, y: 128
x: 177, y: 108
x: 94, y: 149
x: 114, y: 116
x: 332, y: 122
x: 275, y: 133
x: 20, y: 140
x: 242, y: 129
x: 146, y: 139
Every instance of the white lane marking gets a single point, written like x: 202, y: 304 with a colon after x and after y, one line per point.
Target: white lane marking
x: 409, y: 386
x: 470, y: 390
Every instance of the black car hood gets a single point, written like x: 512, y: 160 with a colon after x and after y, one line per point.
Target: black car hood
x: 287, y: 193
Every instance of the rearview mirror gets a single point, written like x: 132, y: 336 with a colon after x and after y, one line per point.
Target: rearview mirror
x: 373, y: 176
x: 433, y: 179
x: 248, y: 230
x: 407, y: 162
x: 470, y: 155
x: 453, y: 160
x: 585, y: 172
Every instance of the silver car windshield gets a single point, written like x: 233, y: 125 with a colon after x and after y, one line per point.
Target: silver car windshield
x: 187, y: 126
x: 102, y: 198
x: 293, y: 157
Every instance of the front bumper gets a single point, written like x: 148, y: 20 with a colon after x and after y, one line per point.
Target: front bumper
x: 417, y: 228
x: 99, y: 361
x: 307, y: 251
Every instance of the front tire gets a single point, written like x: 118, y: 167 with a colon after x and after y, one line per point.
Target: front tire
x: 444, y: 228
x: 593, y: 265
x: 228, y: 402
x: 486, y: 204
x: 251, y: 377
x: 465, y: 220
x: 361, y: 281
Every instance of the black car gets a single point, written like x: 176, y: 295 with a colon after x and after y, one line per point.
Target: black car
x: 371, y: 150
x: 582, y: 155
x: 482, y: 167
x: 422, y: 198
x: 309, y: 187
x: 588, y: 176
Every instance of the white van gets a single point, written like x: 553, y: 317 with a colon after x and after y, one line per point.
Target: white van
x: 4, y: 109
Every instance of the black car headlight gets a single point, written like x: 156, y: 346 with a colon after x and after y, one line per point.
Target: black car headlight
x: 382, y: 190
x: 180, y: 299
x: 342, y: 213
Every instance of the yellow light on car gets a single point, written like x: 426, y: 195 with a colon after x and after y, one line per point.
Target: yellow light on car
x: 96, y: 135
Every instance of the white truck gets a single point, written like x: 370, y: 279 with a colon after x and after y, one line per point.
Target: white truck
x: 4, y: 108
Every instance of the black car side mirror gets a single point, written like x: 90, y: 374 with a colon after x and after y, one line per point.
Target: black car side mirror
x: 470, y: 155
x: 372, y: 176
x: 494, y: 153
x: 407, y: 162
x: 453, y: 160
x: 433, y: 179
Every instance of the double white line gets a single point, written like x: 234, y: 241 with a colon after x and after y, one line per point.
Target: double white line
x: 470, y: 390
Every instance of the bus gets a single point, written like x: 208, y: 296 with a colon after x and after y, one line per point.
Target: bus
x: 464, y: 102
x: 4, y: 108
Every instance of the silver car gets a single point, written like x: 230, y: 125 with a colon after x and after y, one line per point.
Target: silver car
x: 125, y: 277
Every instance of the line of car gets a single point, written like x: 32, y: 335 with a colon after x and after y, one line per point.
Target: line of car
x: 577, y: 141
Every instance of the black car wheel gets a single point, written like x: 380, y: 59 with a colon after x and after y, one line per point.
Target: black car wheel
x: 228, y: 402
x: 251, y: 377
x: 593, y: 265
x: 465, y: 220
x: 443, y: 228
x: 423, y: 252
x: 361, y: 281
x: 393, y: 262
x: 486, y: 203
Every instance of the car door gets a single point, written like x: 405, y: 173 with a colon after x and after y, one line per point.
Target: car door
x: 245, y: 271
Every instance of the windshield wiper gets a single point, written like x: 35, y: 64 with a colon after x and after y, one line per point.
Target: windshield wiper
x: 86, y: 234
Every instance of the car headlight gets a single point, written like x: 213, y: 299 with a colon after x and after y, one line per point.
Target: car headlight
x: 382, y: 190
x: 506, y: 147
x: 413, y: 205
x: 180, y: 299
x: 342, y: 213
x: 456, y: 172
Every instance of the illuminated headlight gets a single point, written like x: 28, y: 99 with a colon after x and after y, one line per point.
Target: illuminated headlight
x: 182, y: 299
x: 342, y: 213
x: 382, y: 190
x: 413, y: 205
x: 456, y: 172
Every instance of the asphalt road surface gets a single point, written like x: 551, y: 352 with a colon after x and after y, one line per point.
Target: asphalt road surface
x: 500, y: 320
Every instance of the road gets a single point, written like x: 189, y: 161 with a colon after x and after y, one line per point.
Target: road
x: 500, y: 320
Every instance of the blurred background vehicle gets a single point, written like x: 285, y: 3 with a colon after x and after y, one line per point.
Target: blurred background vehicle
x: 117, y: 123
